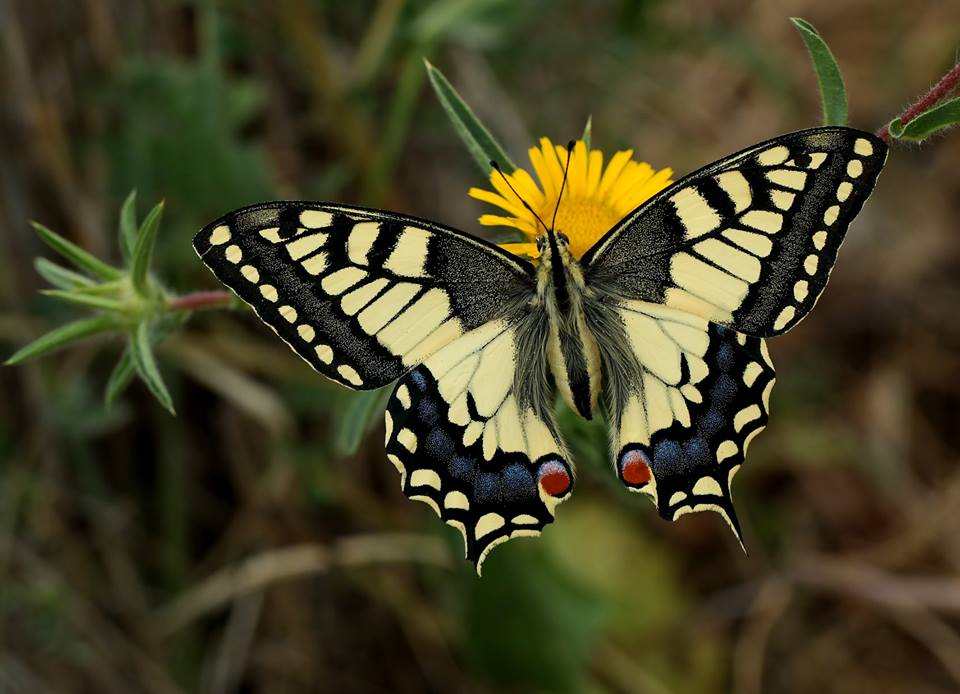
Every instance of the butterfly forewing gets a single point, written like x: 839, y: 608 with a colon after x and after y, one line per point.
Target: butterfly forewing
x: 750, y: 240
x: 361, y: 295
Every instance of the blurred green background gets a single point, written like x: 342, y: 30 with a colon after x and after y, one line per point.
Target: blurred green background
x: 241, y: 546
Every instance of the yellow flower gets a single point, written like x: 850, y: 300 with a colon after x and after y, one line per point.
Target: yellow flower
x: 594, y: 200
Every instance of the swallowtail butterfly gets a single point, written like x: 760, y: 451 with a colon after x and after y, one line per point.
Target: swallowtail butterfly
x: 662, y: 323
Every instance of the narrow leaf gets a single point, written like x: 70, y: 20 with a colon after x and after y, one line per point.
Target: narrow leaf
x: 474, y: 134
x: 76, y: 255
x: 141, y: 351
x: 361, y: 414
x: 62, y: 336
x: 929, y: 122
x: 120, y: 377
x: 84, y: 299
x: 59, y: 276
x: 833, y: 95
x: 143, y: 250
x: 128, y: 225
x: 587, y: 132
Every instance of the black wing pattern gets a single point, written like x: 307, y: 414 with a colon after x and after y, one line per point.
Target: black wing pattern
x: 474, y: 437
x: 361, y: 295
x: 748, y: 241
x: 686, y: 397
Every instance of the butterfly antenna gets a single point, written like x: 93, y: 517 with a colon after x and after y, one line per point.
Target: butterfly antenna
x: 496, y: 167
x: 566, y: 168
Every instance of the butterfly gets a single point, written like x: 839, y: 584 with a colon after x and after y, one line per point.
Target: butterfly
x: 661, y: 326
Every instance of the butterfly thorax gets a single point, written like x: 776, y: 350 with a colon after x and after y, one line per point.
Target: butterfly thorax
x: 572, y: 349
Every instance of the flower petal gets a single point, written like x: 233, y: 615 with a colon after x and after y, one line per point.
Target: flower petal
x: 498, y: 200
x: 594, y: 169
x: 614, y: 169
x: 492, y: 220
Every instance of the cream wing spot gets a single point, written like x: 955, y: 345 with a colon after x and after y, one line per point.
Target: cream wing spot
x: 820, y: 240
x: 782, y: 199
x: 695, y: 213
x: 800, y: 290
x: 306, y: 332
x: 289, y: 313
x: 758, y: 244
x: 725, y: 450
x: 457, y: 500
x: 383, y: 309
x: 735, y: 185
x: 356, y: 299
x: 795, y: 180
x: 810, y: 264
x: 220, y: 235
x: 854, y: 168
x: 488, y: 523
x: 423, y: 477
x: 764, y: 220
x: 831, y: 214
x: 233, y: 253
x: 315, y: 264
x: 773, y: 156
x: 707, y: 486
x: 316, y: 219
x: 863, y: 147
x: 338, y: 282
x: 272, y: 234
x: 269, y: 292
x: 324, y: 354
x: 844, y: 190
x: 305, y: 245
x: 250, y: 273
x: 349, y: 374
x: 409, y: 257
x: 786, y: 315
x: 361, y: 240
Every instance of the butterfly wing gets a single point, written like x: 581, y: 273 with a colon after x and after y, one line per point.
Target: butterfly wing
x: 750, y: 240
x: 685, y: 399
x: 472, y: 433
x: 361, y: 295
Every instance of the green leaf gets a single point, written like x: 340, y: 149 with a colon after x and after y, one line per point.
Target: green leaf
x: 359, y: 416
x: 143, y: 250
x: 587, y: 132
x: 833, y: 95
x: 120, y: 377
x: 76, y: 255
x: 84, y: 299
x: 945, y: 115
x: 141, y: 351
x: 59, y: 276
x: 128, y: 225
x: 474, y: 134
x: 62, y: 336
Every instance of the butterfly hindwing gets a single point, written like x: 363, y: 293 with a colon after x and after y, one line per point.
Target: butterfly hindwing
x: 686, y: 397
x: 361, y: 295
x: 748, y: 241
x: 470, y: 441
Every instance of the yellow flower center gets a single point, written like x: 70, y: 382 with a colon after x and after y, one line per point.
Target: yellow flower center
x: 595, y: 199
x: 584, y: 220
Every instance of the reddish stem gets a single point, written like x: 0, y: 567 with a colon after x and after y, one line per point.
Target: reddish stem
x: 200, y: 300
x: 940, y: 90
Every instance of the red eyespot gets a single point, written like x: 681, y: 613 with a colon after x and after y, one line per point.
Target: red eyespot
x: 635, y: 468
x: 554, y: 478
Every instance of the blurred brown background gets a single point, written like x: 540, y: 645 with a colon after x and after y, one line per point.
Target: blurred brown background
x: 240, y: 547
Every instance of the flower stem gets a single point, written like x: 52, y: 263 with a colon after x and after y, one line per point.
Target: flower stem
x: 195, y: 301
x: 937, y: 92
